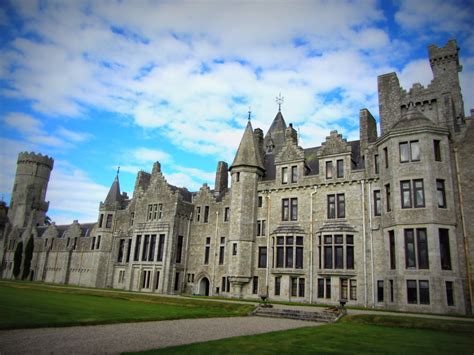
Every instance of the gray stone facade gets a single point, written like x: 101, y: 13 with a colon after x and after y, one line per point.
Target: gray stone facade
x: 383, y: 222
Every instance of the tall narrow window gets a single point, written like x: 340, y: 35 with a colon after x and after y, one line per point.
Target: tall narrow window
x: 380, y: 291
x: 424, y: 291
x: 391, y: 241
x: 101, y: 220
x: 404, y: 154
x: 441, y: 192
x: 377, y: 203
x: 415, y: 150
x: 341, y: 206
x: 155, y: 211
x: 262, y: 257
x: 226, y: 214
x: 444, y: 249
x: 221, y: 254
x: 146, y: 244
x: 179, y: 249
x: 385, y: 154
x: 331, y: 206
x: 388, y: 198
x: 329, y: 170
x: 410, y: 260
x: 412, y: 291
x: 350, y: 251
x: 284, y: 175
x: 161, y: 244
x: 328, y: 287
x: 419, y: 193
x: 449, y: 293
x: 391, y: 291
x: 120, y: 250
x: 150, y: 213
x: 255, y: 285
x: 176, y: 281
x: 294, y: 209
x: 422, y: 248
x: 294, y: 174
x: 299, y: 253
x: 437, y: 149
x: 93, y: 243
x: 136, y: 255
x: 294, y: 286
x: 405, y: 190
x: 108, y: 223
x: 277, y: 285
x: 234, y: 249
x: 320, y: 288
x: 344, y: 288
x: 260, y: 201
x: 376, y: 163
x: 207, y: 250
x: 151, y: 253
x: 285, y: 209
x: 353, y: 290
x: 340, y: 168
x: 206, y: 214
x: 198, y: 213
x: 160, y: 210
x: 328, y: 263
x: 301, y: 287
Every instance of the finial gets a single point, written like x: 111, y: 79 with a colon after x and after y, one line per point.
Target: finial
x: 250, y: 112
x: 279, y: 100
x: 118, y: 170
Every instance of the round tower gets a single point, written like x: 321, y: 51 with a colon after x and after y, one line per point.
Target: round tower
x: 29, y: 190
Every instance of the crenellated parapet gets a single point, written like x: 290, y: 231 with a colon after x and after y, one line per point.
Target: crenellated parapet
x: 34, y: 158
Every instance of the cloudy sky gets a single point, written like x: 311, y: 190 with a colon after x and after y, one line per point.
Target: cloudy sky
x: 97, y: 84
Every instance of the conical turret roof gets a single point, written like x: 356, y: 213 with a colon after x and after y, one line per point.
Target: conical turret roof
x: 114, y: 195
x: 247, y: 154
x: 276, y: 132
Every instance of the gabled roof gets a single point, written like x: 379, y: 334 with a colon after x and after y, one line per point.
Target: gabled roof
x: 248, y: 153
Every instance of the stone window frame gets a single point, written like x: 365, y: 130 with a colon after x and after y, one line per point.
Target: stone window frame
x: 441, y: 193
x: 324, y: 287
x: 418, y: 291
x: 336, y: 206
x: 297, y: 286
x: 291, y: 251
x: 261, y: 228
x: 334, y: 242
x: 416, y: 248
x: 409, y: 148
x: 289, y: 209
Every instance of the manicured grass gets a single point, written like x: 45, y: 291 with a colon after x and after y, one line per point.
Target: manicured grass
x: 352, y: 335
x: 30, y: 305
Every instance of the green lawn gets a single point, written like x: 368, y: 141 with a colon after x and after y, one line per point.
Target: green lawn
x: 31, y: 305
x: 351, y: 335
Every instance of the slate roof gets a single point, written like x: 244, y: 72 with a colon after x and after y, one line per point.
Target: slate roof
x: 247, y: 154
x: 114, y: 195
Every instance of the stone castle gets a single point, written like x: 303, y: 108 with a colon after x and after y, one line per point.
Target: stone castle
x: 385, y: 221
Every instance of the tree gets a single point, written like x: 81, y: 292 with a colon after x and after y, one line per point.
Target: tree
x: 28, y: 256
x: 17, y: 259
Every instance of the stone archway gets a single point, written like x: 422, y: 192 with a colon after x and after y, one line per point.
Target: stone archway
x: 204, y: 287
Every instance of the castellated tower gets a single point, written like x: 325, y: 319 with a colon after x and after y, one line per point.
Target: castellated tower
x: 29, y: 190
x: 246, y: 171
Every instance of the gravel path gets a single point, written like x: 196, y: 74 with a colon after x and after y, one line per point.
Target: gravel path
x: 116, y: 338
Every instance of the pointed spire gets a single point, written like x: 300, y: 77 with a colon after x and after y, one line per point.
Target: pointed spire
x: 114, y: 195
x: 276, y: 132
x: 247, y: 154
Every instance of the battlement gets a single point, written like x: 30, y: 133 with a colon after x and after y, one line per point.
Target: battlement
x: 444, y: 55
x: 31, y: 157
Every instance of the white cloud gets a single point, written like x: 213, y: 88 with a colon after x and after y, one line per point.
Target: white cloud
x: 417, y: 71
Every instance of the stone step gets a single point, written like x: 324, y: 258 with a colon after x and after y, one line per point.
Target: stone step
x: 312, y: 316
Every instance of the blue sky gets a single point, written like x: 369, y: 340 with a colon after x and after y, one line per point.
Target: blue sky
x: 97, y: 84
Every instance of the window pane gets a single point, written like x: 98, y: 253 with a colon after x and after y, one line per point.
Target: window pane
x: 419, y: 193
x: 285, y: 213
x: 405, y: 189
x: 340, y: 168
x: 329, y: 170
x: 328, y: 257
x: 301, y: 287
x: 341, y: 206
x: 409, y: 248
x: 422, y: 246
x: 294, y: 286
x: 424, y: 292
x: 262, y: 257
x: 437, y: 150
x: 284, y: 175
x: 338, y: 239
x: 377, y: 203
x: 299, y: 240
x: 391, y: 237
x: 280, y: 253
x: 350, y: 257
x: 294, y: 209
x: 277, y: 285
x: 444, y: 249
x: 344, y: 285
x: 339, y: 257
x: 289, y: 256
x: 331, y: 206
x: 415, y: 150
x: 403, y: 152
x: 441, y: 193
x: 449, y: 293
x: 411, y: 292
x: 320, y: 288
x: 328, y: 288
x: 299, y: 258
x: 380, y: 291
x: 328, y: 239
x: 294, y: 174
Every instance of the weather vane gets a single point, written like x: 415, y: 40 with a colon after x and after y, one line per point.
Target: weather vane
x: 279, y: 100
x: 250, y: 112
x: 118, y: 169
